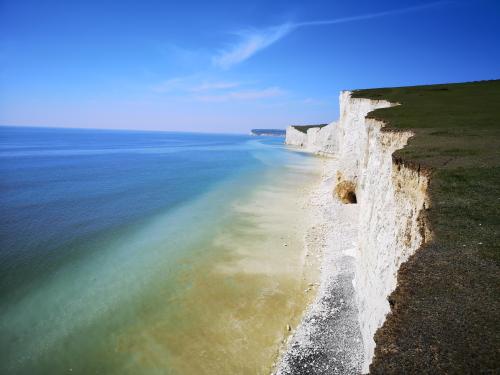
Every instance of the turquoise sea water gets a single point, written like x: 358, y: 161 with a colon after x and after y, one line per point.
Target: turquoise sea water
x: 106, y: 240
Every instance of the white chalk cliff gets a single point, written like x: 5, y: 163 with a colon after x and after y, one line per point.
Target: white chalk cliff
x: 389, y: 198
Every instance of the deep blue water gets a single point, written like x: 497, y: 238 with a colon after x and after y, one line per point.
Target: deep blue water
x: 64, y: 186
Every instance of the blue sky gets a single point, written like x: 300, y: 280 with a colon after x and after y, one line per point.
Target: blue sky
x: 228, y: 66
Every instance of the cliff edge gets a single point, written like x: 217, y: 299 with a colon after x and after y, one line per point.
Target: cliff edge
x: 423, y: 168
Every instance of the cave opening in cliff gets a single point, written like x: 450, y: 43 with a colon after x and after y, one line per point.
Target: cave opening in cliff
x: 346, y: 192
x: 350, y: 197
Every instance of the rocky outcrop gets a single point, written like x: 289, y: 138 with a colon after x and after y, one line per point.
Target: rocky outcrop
x: 389, y: 195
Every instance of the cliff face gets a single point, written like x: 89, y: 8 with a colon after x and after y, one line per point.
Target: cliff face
x: 389, y: 195
x: 317, y: 140
x: 296, y: 138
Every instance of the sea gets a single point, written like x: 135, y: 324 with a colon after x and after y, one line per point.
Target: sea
x: 134, y: 252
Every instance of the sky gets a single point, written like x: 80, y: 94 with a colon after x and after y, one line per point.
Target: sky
x: 228, y: 66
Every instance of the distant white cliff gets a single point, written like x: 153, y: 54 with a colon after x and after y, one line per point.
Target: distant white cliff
x: 320, y: 140
x: 389, y: 196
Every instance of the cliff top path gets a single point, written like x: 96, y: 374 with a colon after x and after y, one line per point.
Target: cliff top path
x: 445, y: 310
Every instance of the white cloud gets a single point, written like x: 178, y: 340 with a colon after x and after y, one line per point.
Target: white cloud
x: 192, y: 84
x: 372, y: 15
x: 213, y: 91
x: 242, y: 95
x: 252, y: 41
x: 209, y: 86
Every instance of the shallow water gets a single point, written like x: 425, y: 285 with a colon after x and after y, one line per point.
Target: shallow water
x: 143, y: 252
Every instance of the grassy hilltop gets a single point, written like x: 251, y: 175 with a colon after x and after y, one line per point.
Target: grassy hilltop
x: 446, y: 309
x: 305, y: 128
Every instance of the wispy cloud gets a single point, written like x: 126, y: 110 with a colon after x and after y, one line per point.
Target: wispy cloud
x: 368, y: 16
x: 214, y: 85
x: 192, y: 84
x: 269, y: 92
x: 214, y: 90
x: 252, y: 41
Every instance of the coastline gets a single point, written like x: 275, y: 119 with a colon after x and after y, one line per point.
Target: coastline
x: 372, y: 209
x: 328, y: 338
x: 419, y: 175
x: 192, y: 290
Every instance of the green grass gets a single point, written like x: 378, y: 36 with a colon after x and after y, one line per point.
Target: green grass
x: 305, y: 128
x: 461, y: 105
x: 446, y: 307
